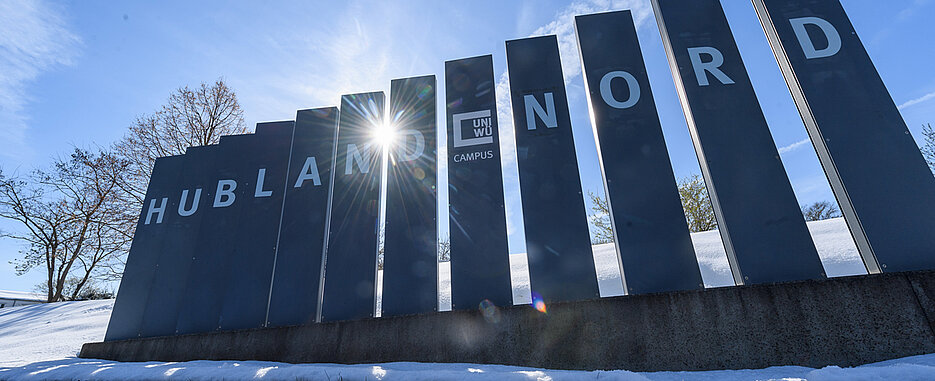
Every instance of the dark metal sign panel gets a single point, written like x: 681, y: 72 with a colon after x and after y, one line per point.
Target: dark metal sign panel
x: 192, y: 194
x: 652, y: 237
x: 207, y: 279
x: 410, y: 248
x: 294, y: 296
x: 876, y: 171
x: 480, y: 262
x: 351, y: 263
x: 561, y: 265
x: 758, y: 216
x: 246, y: 295
x: 127, y: 316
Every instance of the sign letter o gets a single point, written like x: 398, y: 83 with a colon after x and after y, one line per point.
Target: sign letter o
x: 608, y: 96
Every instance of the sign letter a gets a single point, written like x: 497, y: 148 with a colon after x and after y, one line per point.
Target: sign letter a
x: 712, y: 66
x: 533, y: 109
x: 354, y: 156
x: 808, y: 46
x: 309, y: 172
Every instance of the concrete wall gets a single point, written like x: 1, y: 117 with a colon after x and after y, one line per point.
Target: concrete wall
x: 842, y: 321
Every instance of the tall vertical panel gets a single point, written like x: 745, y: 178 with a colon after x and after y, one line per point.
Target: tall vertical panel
x: 296, y: 279
x: 558, y: 243
x: 480, y: 262
x: 130, y: 306
x: 877, y: 173
x: 652, y: 237
x: 351, y: 263
x: 207, y: 279
x: 758, y: 216
x: 410, y: 247
x: 246, y: 292
x: 183, y: 224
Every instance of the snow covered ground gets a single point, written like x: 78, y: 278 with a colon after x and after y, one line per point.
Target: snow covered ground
x: 40, y: 342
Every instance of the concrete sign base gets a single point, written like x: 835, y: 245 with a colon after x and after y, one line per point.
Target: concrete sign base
x: 839, y: 321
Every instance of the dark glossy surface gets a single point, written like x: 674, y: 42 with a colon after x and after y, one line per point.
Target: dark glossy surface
x: 296, y: 280
x: 480, y: 262
x: 178, y: 250
x: 207, y: 280
x: 878, y: 175
x: 758, y: 216
x: 127, y: 316
x: 246, y: 292
x: 410, y: 264
x: 558, y: 243
x: 653, y: 241
x: 351, y: 263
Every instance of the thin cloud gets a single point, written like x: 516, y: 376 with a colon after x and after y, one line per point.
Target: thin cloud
x: 793, y: 146
x: 355, y: 53
x: 918, y: 100
x: 563, y: 27
x: 34, y: 39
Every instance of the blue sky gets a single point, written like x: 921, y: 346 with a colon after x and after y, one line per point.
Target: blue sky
x: 78, y: 73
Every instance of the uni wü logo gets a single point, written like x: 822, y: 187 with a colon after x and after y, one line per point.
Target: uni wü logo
x: 479, y: 127
x: 481, y: 130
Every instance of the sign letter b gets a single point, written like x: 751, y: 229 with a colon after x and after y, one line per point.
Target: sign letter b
x: 224, y: 196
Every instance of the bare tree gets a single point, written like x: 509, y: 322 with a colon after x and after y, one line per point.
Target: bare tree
x: 190, y: 117
x: 91, y: 290
x: 821, y: 210
x: 25, y: 202
x: 73, y: 217
x: 602, y: 231
x: 699, y: 213
x: 444, y: 250
x: 928, y: 147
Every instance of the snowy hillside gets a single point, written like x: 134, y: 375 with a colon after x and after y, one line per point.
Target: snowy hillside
x: 40, y: 341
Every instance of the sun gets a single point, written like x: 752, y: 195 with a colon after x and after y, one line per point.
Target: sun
x: 384, y: 134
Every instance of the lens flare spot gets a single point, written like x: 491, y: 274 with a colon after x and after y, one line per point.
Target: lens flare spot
x: 490, y: 311
x: 425, y: 92
x: 538, y: 303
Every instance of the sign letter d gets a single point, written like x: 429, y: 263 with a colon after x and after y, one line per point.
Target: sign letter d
x: 808, y: 46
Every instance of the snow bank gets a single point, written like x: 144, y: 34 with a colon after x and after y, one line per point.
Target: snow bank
x: 40, y: 332
x: 832, y: 239
x: 20, y: 295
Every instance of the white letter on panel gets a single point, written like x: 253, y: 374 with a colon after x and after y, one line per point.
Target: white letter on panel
x: 717, y: 59
x: 548, y: 115
x: 409, y: 155
x: 608, y: 96
x: 226, y: 191
x: 182, y: 211
x: 834, y: 39
x: 158, y: 211
x: 354, y: 156
x: 260, y: 179
x: 309, y: 171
